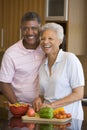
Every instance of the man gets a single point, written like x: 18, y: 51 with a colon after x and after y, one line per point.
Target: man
x: 21, y: 62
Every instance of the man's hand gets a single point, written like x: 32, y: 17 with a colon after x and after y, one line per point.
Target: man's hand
x: 37, y: 104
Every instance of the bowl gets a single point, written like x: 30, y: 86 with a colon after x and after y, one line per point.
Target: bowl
x: 16, y: 122
x: 19, y: 109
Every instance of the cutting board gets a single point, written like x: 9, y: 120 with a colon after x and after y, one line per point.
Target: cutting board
x: 26, y: 118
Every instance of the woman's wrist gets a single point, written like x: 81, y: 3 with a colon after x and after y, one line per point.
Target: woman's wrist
x: 52, y: 105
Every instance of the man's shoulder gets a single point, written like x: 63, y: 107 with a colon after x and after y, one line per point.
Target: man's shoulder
x: 14, y: 47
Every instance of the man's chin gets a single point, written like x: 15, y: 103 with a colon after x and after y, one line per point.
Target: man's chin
x: 31, y: 42
x: 32, y: 45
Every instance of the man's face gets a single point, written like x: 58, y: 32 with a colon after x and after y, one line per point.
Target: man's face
x: 30, y: 33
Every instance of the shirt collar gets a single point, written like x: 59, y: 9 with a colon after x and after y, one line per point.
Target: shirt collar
x: 59, y: 57
x: 25, y: 51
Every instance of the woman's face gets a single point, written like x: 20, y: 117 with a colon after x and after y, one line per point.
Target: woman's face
x: 49, y: 41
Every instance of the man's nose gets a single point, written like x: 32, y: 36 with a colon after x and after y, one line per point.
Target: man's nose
x: 29, y: 30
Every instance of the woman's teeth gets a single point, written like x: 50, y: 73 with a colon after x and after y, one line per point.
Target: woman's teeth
x: 48, y: 46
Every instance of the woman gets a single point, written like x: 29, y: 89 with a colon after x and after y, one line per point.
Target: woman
x: 61, y: 76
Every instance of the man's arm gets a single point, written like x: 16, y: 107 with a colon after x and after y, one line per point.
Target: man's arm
x: 8, y: 92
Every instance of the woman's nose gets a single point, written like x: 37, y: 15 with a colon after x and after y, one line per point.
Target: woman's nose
x: 46, y: 40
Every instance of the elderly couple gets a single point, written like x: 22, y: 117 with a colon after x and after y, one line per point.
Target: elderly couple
x: 34, y: 70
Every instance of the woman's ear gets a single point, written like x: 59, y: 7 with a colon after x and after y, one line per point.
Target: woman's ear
x: 60, y: 41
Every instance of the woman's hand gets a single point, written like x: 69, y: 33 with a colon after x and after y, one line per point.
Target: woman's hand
x: 45, y: 105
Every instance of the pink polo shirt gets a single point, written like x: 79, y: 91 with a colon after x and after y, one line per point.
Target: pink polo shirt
x: 20, y: 68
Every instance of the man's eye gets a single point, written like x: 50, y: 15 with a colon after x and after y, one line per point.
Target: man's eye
x: 25, y: 28
x: 30, y: 28
x: 34, y: 28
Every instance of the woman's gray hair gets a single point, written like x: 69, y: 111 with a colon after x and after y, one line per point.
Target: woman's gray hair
x: 56, y: 27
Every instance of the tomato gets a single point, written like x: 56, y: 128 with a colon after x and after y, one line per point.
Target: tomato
x: 57, y: 116
x: 31, y: 126
x: 68, y: 124
x: 64, y: 116
x: 68, y: 115
x: 31, y: 112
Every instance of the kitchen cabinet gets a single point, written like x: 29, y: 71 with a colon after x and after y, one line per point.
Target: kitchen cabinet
x: 11, y: 12
x: 77, y: 27
x: 7, y: 27
x: 1, y: 17
x: 83, y: 60
x: 85, y: 112
x: 4, y: 17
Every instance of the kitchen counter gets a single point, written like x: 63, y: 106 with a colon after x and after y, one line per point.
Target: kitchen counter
x: 18, y: 124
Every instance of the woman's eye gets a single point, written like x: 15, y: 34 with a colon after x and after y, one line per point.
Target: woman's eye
x: 42, y: 39
x: 50, y: 39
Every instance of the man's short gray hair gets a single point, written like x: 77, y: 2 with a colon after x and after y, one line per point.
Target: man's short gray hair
x: 56, y: 27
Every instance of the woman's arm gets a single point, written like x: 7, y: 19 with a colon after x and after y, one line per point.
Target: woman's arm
x: 77, y: 94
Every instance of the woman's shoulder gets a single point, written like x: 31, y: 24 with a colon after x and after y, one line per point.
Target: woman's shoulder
x: 69, y: 55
